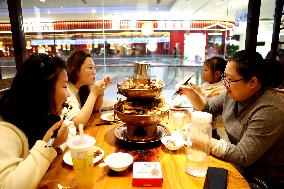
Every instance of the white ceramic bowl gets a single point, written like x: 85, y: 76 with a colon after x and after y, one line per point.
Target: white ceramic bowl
x: 119, y: 161
x: 172, y: 142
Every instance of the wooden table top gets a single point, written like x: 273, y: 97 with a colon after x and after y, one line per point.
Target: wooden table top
x: 172, y: 163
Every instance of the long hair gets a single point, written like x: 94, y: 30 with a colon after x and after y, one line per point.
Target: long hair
x: 74, y: 64
x: 251, y: 64
x: 28, y: 103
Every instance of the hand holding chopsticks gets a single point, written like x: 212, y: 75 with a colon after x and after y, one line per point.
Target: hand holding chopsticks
x: 185, y: 83
x: 59, y: 131
x: 55, y: 132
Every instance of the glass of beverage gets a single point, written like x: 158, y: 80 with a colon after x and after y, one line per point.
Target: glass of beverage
x: 198, y: 144
x: 178, y: 118
x: 82, y: 152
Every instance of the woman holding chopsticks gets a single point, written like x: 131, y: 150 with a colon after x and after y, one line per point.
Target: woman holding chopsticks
x: 30, y: 112
x: 253, y: 116
x: 86, y: 94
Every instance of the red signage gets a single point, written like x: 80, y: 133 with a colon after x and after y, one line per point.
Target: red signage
x: 121, y: 25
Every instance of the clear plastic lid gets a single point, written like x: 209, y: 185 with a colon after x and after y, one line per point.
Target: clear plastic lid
x: 79, y: 142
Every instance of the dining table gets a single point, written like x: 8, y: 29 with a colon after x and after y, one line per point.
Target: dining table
x: 60, y: 175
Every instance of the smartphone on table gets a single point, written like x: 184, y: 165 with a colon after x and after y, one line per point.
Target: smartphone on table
x: 216, y: 178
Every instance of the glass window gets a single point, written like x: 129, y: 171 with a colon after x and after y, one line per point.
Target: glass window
x: 174, y: 36
x: 7, y: 59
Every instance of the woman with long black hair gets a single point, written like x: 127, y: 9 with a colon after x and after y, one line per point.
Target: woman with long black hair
x: 30, y: 114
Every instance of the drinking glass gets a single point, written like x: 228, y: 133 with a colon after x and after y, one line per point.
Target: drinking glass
x: 178, y: 119
x: 198, y: 144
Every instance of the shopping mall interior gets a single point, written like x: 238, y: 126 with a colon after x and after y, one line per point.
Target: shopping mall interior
x: 174, y: 36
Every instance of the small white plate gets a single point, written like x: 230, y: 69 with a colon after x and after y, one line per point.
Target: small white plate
x: 109, y: 117
x: 173, y: 142
x: 68, y: 159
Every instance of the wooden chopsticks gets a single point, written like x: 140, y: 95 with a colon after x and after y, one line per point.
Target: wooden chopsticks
x: 185, y: 83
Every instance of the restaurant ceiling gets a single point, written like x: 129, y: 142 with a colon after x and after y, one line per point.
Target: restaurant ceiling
x: 67, y: 10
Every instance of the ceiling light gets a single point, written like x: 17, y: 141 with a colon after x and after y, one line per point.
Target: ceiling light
x: 147, y: 28
x: 42, y: 1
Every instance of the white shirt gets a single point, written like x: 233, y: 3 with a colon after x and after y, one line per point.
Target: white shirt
x: 210, y: 90
x: 73, y: 101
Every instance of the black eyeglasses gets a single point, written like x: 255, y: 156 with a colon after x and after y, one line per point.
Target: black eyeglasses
x: 228, y: 81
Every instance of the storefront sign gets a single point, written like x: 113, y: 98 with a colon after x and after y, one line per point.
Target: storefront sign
x: 37, y: 42
x: 81, y: 41
x: 38, y: 27
x: 99, y: 25
x: 241, y: 16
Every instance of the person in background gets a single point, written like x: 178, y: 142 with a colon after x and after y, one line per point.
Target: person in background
x: 117, y: 53
x: 275, y: 67
x: 86, y: 95
x: 213, y: 69
x: 30, y: 112
x: 278, y: 65
x: 253, y: 116
x: 175, y: 52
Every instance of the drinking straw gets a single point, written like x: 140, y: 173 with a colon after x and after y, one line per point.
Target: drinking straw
x: 81, y: 130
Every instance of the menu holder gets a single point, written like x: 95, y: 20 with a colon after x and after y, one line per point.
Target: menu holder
x: 147, y: 174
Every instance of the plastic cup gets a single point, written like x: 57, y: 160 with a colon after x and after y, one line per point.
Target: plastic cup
x: 82, y: 152
x: 198, y: 144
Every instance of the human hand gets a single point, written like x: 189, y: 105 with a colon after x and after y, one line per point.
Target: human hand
x: 186, y: 90
x: 98, y: 87
x: 107, y: 80
x: 61, y: 135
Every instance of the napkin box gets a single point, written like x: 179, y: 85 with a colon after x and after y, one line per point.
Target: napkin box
x: 147, y: 174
